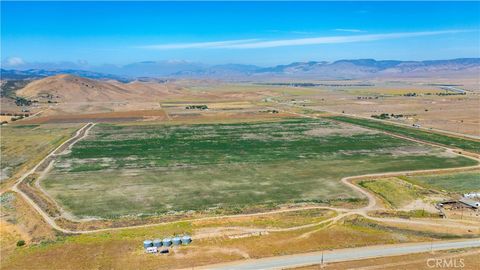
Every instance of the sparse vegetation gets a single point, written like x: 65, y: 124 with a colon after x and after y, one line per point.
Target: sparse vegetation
x: 387, y: 116
x: 19, y: 101
x: 20, y: 243
x: 197, y: 107
x: 9, y: 87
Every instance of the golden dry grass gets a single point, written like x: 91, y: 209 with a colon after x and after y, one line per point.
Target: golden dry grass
x: 23, y: 146
x: 20, y: 222
x: 123, y: 249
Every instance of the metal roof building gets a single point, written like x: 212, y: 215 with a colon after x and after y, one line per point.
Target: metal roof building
x: 471, y: 203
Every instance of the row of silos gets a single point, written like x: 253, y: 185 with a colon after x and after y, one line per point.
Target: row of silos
x: 166, y: 242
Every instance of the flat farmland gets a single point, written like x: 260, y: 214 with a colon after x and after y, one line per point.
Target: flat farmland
x: 150, y: 169
x: 452, y: 182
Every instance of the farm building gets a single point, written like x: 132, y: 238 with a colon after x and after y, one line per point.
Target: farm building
x: 470, y: 203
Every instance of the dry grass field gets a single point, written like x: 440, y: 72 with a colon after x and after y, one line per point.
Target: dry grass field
x: 455, y: 113
x: 123, y: 249
x: 20, y: 222
x: 22, y: 146
x: 429, y: 107
x: 120, y: 116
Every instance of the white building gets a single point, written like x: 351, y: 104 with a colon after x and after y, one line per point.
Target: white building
x: 470, y: 203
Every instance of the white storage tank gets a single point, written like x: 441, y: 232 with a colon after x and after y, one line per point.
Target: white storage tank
x: 186, y: 240
x: 176, y: 241
x: 157, y: 243
x: 167, y: 242
x: 147, y: 243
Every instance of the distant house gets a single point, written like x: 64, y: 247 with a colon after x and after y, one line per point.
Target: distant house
x: 470, y: 203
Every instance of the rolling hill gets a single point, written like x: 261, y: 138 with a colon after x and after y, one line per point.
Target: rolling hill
x: 69, y: 88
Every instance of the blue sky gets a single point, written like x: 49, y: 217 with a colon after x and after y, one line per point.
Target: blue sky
x: 262, y: 33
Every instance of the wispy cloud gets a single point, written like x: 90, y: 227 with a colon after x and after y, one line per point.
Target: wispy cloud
x: 14, y: 61
x: 349, y: 30
x: 256, y: 43
x: 212, y: 44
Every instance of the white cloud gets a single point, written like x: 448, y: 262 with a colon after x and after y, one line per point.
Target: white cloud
x: 349, y: 30
x: 334, y: 39
x: 198, y: 44
x: 256, y: 43
x: 15, y: 61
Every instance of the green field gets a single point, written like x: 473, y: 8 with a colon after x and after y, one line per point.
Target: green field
x: 153, y: 169
x: 453, y: 182
x: 450, y: 141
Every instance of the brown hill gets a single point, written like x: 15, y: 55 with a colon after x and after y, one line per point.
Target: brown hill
x: 68, y: 88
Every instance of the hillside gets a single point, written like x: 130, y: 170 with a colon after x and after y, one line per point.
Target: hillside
x: 69, y: 88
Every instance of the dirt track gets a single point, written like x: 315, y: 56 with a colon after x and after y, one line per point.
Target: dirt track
x: 68, y: 143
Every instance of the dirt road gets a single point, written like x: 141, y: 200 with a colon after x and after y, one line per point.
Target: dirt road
x: 81, y: 133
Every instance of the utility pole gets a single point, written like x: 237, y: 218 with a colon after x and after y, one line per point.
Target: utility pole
x: 322, y: 264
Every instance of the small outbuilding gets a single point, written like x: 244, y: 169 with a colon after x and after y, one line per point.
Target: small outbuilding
x: 470, y: 203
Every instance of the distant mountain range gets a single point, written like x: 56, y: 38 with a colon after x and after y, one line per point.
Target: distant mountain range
x: 12, y: 74
x: 342, y: 69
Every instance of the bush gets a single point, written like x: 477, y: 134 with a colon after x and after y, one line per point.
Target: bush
x: 20, y: 243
